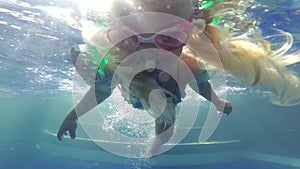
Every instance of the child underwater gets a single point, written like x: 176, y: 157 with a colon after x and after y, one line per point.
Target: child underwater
x: 251, y: 60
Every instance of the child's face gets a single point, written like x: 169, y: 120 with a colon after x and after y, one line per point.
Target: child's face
x: 159, y: 39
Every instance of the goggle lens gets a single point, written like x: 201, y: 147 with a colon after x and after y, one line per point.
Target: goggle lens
x: 167, y: 42
x: 171, y: 40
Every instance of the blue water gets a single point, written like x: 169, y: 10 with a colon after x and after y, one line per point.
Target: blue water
x: 36, y: 93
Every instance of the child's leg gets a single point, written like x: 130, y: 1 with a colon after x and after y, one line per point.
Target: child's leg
x: 164, y: 128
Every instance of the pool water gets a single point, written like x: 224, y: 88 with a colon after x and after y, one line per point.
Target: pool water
x: 36, y: 74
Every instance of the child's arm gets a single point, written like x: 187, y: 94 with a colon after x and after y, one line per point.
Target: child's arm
x: 203, y: 86
x: 208, y: 93
x: 89, y: 101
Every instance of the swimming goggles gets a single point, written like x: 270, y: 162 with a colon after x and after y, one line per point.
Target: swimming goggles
x: 173, y: 37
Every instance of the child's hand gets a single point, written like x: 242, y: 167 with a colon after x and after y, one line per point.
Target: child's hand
x: 224, y: 107
x: 68, y: 125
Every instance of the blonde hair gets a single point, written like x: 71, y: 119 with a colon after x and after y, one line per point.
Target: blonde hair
x: 252, y: 60
x: 179, y: 8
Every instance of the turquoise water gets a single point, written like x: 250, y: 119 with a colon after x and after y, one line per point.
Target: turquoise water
x: 36, y: 93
